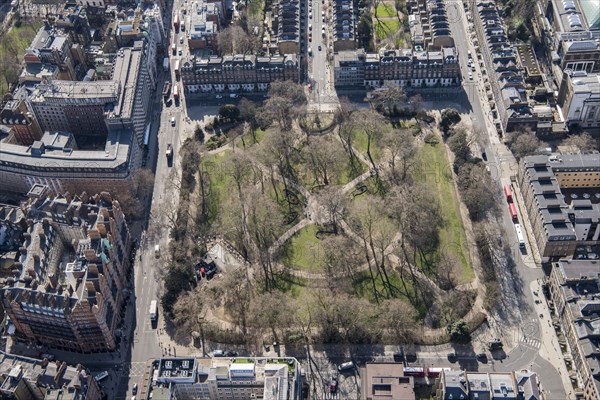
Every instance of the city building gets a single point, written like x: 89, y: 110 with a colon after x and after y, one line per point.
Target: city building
x: 571, y: 21
x: 23, y: 378
x: 237, y: 73
x: 228, y: 378
x: 204, y: 25
x: 52, y: 47
x: 74, y: 22
x: 288, y: 26
x: 575, y: 293
x: 130, y: 110
x: 506, y: 82
x: 428, y: 22
x: 403, y: 67
x: 67, y: 288
x: 562, y: 202
x: 344, y: 27
x: 517, y: 385
x: 583, y: 55
x: 53, y: 161
x: 23, y: 125
x: 386, y: 381
x: 74, y: 106
x: 579, y: 99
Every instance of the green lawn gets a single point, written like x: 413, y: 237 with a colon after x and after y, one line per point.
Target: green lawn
x: 248, y: 139
x: 359, y: 142
x: 363, y: 287
x: 296, y: 203
x: 16, y: 42
x: 305, y: 251
x: 222, y: 185
x: 340, y: 177
x: 436, y: 171
x: 291, y: 284
x: 385, y: 10
x: 386, y: 28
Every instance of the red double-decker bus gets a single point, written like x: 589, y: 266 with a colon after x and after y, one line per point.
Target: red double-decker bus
x: 176, y: 22
x: 435, y: 372
x: 512, y: 209
x: 417, y: 372
x: 176, y: 92
x: 508, y: 193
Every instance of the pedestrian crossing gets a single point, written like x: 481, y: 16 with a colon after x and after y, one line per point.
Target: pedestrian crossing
x: 531, y: 342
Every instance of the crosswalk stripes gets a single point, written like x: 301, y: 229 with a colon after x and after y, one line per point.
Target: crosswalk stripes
x: 532, y: 342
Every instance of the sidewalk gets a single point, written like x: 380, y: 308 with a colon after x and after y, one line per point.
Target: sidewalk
x: 550, y: 346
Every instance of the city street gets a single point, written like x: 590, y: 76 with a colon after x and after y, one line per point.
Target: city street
x: 322, y: 96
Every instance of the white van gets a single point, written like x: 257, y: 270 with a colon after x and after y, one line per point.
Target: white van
x: 157, y: 251
x: 101, y: 375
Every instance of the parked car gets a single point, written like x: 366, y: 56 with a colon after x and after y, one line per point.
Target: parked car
x: 346, y: 366
x: 49, y: 357
x: 333, y: 386
x: 399, y: 356
x: 172, y: 121
x: 320, y: 48
x: 219, y: 96
x: 232, y: 354
x: 134, y: 389
x: 218, y: 353
x: 482, y: 357
x: 451, y: 357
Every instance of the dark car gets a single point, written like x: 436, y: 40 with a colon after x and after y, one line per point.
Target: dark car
x: 399, y: 356
x: 495, y: 344
x: 333, y: 386
x: 482, y: 357
x: 320, y: 48
x: 452, y: 357
x: 232, y: 354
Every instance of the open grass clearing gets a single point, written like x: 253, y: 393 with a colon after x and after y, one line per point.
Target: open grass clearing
x: 385, y: 28
x: 248, y: 139
x: 436, y: 171
x: 385, y: 10
x: 304, y: 251
x: 359, y: 142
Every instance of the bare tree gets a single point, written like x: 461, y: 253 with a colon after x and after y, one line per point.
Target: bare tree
x: 447, y: 271
x: 143, y: 182
x: 334, y: 202
x: 287, y: 101
x: 373, y: 124
x: 524, y: 143
x: 324, y: 159
x: 401, y: 145
x: 264, y: 221
x: 248, y: 112
x: 340, y: 262
x: 238, y: 295
x: 234, y: 40
x: 398, y: 319
x: 474, y: 184
x: 388, y: 96
x: 369, y: 221
x: 583, y: 142
x: 273, y: 310
x: 346, y: 127
x: 190, y: 310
